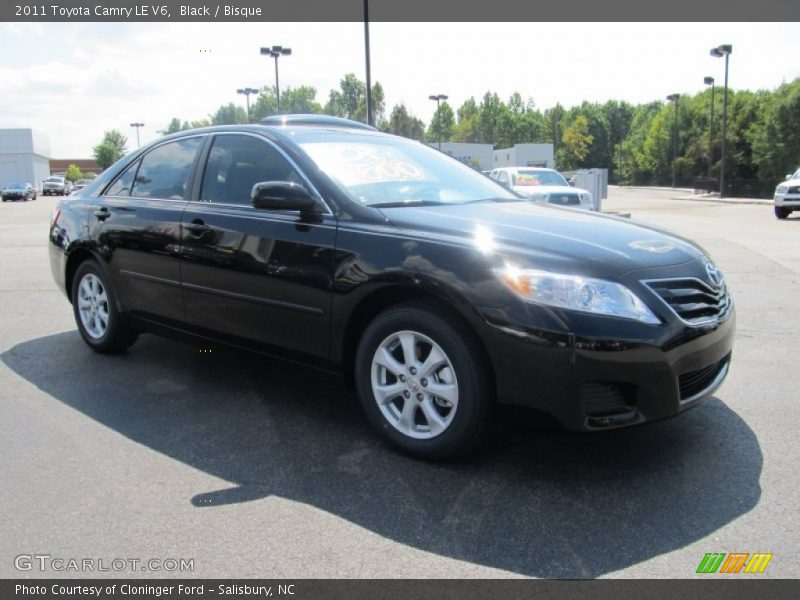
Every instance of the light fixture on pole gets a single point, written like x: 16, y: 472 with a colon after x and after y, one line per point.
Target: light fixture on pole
x: 718, y: 52
x: 275, y: 52
x: 710, y: 81
x: 438, y: 98
x: 674, y: 99
x: 247, y: 91
x: 137, y: 125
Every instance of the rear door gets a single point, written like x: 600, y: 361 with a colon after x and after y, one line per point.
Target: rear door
x: 258, y: 275
x: 136, y: 225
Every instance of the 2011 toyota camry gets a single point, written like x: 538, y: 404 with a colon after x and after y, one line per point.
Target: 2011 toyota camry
x: 437, y: 291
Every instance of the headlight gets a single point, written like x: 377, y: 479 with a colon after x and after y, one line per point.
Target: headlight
x: 586, y: 198
x: 781, y: 189
x: 575, y: 292
x: 538, y: 196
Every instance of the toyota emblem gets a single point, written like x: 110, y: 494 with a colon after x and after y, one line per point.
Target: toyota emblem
x: 714, y: 274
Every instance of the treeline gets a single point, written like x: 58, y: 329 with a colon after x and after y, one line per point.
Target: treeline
x: 635, y: 142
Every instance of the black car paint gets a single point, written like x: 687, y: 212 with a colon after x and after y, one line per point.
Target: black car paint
x: 302, y: 287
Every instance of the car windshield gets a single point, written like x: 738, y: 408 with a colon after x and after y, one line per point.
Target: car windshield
x: 533, y: 177
x: 796, y: 174
x: 54, y: 180
x: 389, y: 171
x: 17, y: 186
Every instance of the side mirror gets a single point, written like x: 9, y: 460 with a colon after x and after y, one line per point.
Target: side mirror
x: 788, y: 177
x: 283, y: 195
x: 571, y: 183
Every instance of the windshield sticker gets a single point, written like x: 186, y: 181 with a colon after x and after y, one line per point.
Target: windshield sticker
x: 528, y: 180
x: 359, y: 164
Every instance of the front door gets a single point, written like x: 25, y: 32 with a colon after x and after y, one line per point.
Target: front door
x: 263, y: 276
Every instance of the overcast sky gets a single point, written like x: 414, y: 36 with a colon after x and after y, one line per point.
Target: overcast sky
x: 72, y: 81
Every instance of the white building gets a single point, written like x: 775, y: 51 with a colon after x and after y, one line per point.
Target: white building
x: 24, y: 157
x: 480, y: 154
x: 525, y: 155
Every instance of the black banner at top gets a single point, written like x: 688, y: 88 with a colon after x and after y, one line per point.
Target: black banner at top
x: 395, y: 10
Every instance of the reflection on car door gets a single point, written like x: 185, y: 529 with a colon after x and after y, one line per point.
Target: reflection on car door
x: 258, y: 275
x: 137, y: 227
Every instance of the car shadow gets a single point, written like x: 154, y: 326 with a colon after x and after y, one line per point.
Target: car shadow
x: 536, y: 502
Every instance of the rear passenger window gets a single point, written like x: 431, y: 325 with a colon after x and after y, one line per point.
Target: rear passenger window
x: 122, y: 186
x: 164, y: 171
x: 236, y: 163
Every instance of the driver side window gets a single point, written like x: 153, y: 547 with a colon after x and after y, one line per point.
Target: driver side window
x: 236, y: 163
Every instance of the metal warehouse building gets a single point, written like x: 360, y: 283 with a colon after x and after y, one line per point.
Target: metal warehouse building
x: 24, y: 157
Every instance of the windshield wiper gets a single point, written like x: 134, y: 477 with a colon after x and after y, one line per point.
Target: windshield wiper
x: 401, y: 203
x: 492, y: 200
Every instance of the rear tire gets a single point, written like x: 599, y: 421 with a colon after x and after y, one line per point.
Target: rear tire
x: 423, y: 381
x: 94, y: 305
x: 782, y: 212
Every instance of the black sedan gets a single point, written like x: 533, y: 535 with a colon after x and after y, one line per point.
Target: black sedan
x: 436, y: 291
x: 19, y: 191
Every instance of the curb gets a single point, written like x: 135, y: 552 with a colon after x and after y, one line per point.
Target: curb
x: 724, y: 200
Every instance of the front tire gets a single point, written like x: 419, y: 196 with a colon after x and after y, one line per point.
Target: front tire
x: 782, y: 212
x: 424, y: 382
x: 95, y: 307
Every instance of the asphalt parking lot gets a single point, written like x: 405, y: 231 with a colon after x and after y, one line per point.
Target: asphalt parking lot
x: 252, y: 467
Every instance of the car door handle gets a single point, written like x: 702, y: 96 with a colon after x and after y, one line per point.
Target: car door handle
x: 102, y: 213
x: 197, y: 227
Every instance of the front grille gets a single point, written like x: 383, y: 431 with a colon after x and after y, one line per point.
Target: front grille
x: 601, y: 399
x: 694, y: 382
x: 693, y: 300
x: 565, y: 199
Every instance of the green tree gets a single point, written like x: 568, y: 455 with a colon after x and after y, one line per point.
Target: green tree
x: 229, y: 114
x: 401, y: 122
x: 73, y: 173
x: 577, y: 141
x: 448, y: 121
x: 298, y: 100
x: 466, y: 129
x: 111, y: 149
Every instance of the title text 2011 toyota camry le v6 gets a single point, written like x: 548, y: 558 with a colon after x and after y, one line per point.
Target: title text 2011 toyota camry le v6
x: 436, y: 290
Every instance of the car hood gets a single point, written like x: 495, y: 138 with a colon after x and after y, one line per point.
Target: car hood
x: 790, y: 182
x: 584, y: 242
x: 529, y: 190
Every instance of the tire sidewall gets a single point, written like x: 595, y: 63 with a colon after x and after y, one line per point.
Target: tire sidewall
x: 110, y: 337
x: 473, y: 398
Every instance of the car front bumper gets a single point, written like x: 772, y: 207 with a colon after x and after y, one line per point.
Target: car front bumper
x: 787, y: 200
x: 606, y: 381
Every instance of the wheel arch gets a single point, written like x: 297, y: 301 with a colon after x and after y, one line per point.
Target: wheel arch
x: 74, y: 260
x: 396, y: 294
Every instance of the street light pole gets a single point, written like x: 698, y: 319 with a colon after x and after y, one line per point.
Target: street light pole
x: 438, y: 98
x: 275, y: 52
x: 710, y: 81
x: 718, y: 52
x: 674, y: 99
x: 366, y: 52
x: 247, y: 91
x: 137, y: 125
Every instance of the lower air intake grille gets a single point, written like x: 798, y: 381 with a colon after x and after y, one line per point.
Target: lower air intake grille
x: 694, y: 382
x: 599, y: 399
